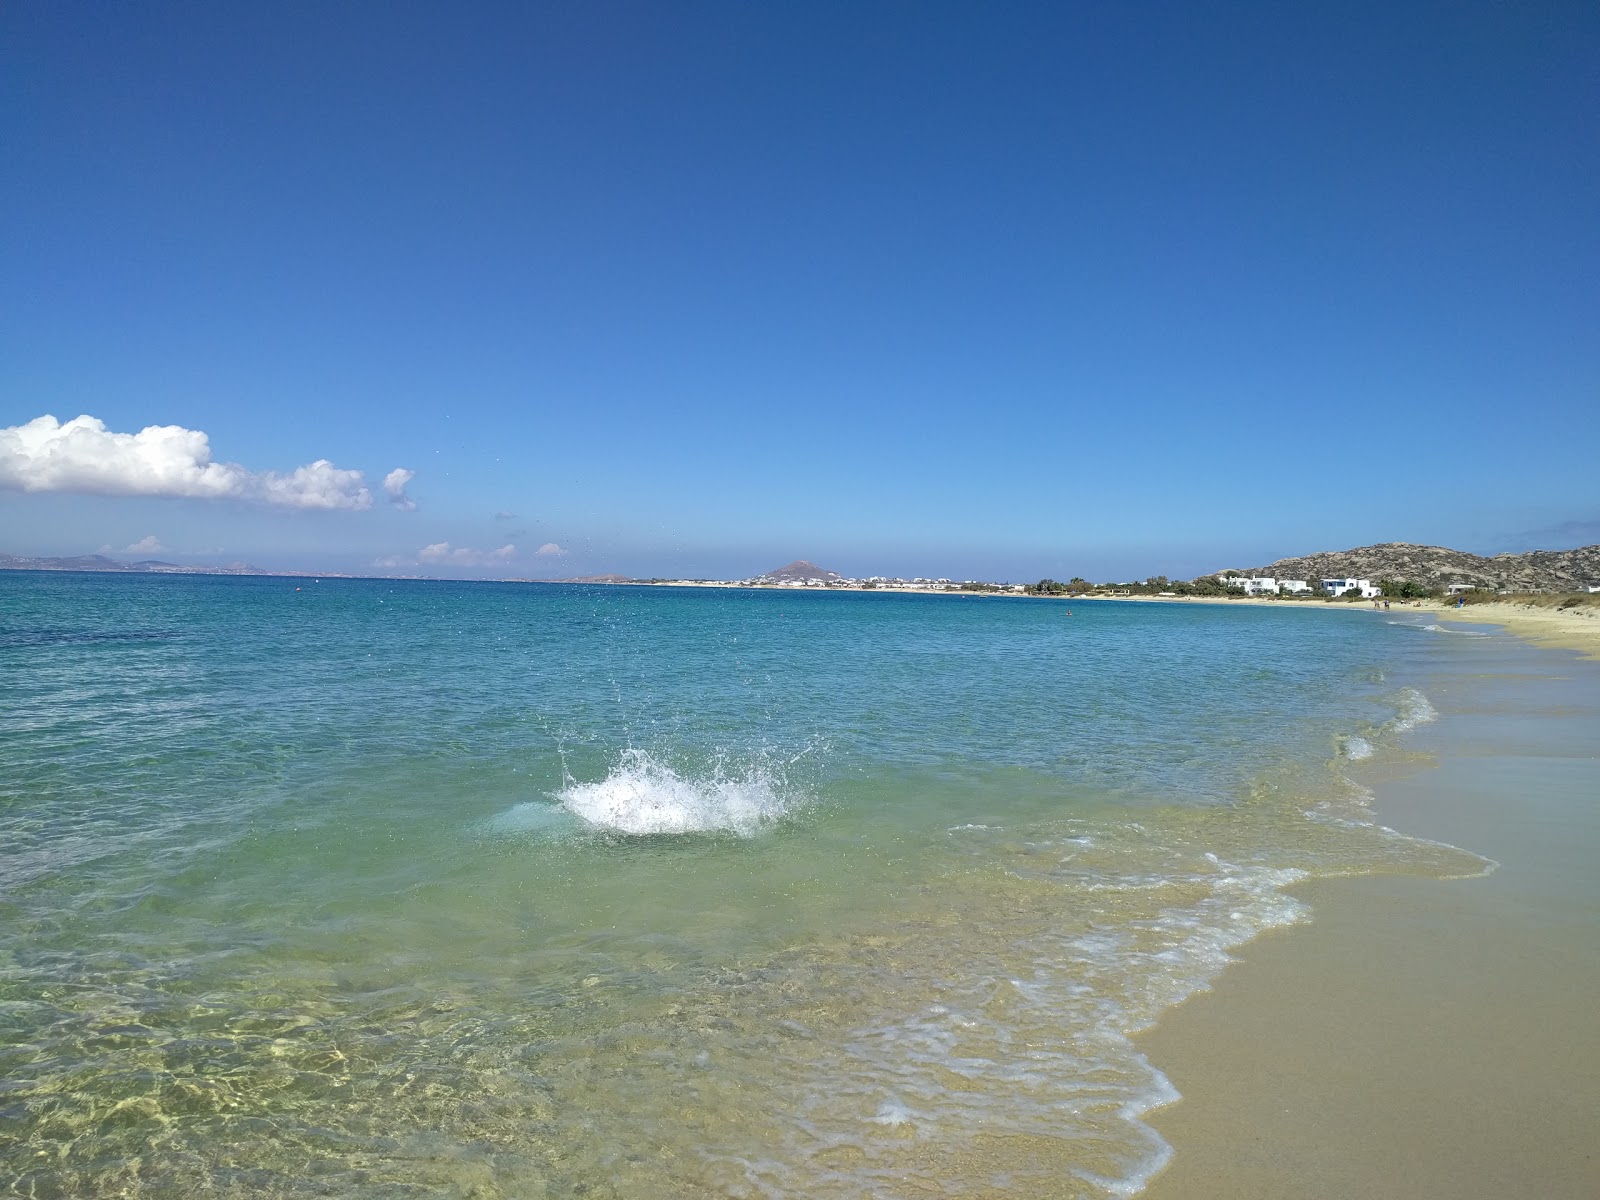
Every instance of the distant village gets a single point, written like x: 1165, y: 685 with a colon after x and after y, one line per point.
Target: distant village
x: 803, y: 574
x: 1388, y: 571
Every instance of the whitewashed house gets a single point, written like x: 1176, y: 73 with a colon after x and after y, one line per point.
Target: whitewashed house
x: 1293, y: 587
x: 1338, y: 587
x: 1253, y: 585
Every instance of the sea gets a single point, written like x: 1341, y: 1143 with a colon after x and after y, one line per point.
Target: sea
x: 386, y: 888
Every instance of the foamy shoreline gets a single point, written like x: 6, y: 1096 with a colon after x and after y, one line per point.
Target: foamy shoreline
x: 1421, y: 1038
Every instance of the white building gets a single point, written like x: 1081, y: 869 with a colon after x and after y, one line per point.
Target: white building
x: 1293, y: 587
x: 1338, y: 587
x: 1253, y: 585
x: 1456, y: 589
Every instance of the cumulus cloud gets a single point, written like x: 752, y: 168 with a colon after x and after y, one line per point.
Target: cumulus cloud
x: 465, y: 556
x: 82, y: 455
x: 146, y: 545
x: 549, y: 548
x: 394, y: 486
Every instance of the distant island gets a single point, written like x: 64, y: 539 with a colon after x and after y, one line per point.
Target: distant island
x: 1400, y: 569
x: 148, y: 566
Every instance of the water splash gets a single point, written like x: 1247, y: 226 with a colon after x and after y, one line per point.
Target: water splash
x: 643, y: 796
x: 1414, y: 710
x: 1357, y: 748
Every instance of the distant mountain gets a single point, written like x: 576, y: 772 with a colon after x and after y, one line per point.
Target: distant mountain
x: 597, y: 579
x: 1535, y: 570
x: 99, y: 562
x: 800, y: 571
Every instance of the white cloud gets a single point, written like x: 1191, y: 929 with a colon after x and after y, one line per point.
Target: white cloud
x: 146, y: 545
x: 549, y: 548
x: 82, y: 455
x: 315, y: 485
x: 465, y: 556
x: 394, y: 484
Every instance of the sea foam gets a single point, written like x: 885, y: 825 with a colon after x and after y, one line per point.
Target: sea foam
x: 1357, y: 748
x: 643, y: 796
x: 1414, y: 710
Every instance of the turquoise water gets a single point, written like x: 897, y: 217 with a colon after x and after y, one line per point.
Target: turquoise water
x: 382, y: 889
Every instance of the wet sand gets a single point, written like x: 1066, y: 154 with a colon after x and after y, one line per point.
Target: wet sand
x: 1419, y: 1038
x: 1559, y: 628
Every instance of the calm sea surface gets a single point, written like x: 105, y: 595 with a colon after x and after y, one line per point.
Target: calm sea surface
x: 390, y: 889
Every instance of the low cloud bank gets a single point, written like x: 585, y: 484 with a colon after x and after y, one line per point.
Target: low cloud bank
x: 82, y: 455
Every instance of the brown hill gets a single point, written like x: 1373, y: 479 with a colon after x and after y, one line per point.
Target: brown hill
x: 1533, y: 571
x: 800, y: 571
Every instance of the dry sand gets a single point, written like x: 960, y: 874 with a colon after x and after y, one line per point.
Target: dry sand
x: 1422, y: 1039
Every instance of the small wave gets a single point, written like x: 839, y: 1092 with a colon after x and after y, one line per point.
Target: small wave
x: 642, y: 796
x: 1357, y: 748
x: 1435, y: 628
x: 1414, y: 710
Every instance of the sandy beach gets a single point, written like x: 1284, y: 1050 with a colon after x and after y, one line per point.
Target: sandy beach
x: 1557, y: 628
x: 1576, y: 628
x: 1422, y: 1038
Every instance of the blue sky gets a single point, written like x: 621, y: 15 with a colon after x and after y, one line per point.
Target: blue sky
x: 949, y: 289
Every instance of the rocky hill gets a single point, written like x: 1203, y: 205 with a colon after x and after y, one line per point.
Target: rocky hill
x: 800, y: 571
x: 1535, y: 570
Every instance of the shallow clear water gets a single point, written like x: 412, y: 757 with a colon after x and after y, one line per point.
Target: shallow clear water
x: 382, y: 889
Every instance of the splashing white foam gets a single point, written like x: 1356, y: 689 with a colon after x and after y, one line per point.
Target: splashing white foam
x: 1414, y: 710
x: 1357, y: 748
x: 642, y: 796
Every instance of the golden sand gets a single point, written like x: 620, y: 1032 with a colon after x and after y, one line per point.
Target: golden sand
x: 1421, y: 1039
x: 1558, y: 628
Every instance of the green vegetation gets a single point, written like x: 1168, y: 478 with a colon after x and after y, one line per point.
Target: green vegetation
x: 1558, y: 600
x: 1408, y: 589
x: 1208, y: 585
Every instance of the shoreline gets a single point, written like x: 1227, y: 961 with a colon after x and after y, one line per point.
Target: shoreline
x: 1420, y: 1037
x: 1567, y: 629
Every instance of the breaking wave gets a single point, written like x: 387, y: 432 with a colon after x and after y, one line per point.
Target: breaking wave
x: 1414, y: 710
x: 1357, y: 748
x: 1435, y: 628
x: 643, y: 796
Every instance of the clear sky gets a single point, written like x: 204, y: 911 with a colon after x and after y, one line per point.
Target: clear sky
x: 995, y: 290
